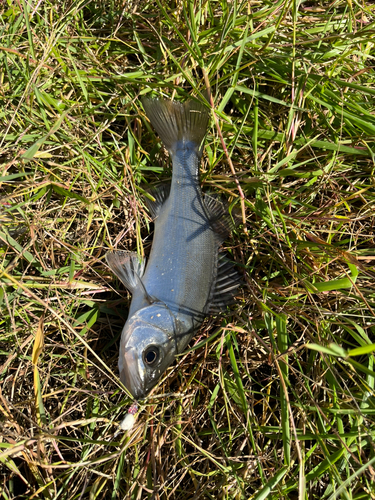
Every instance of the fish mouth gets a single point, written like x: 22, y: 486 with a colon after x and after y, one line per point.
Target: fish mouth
x: 130, y: 375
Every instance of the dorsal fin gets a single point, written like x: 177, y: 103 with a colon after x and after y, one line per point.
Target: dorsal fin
x: 127, y: 266
x: 218, y: 215
x: 227, y: 282
x: 160, y: 193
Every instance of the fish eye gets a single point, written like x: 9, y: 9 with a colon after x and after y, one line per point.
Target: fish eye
x: 151, y: 355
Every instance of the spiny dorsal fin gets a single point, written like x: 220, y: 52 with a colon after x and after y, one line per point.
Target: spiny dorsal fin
x: 218, y: 215
x: 160, y: 193
x: 127, y: 266
x: 227, y: 282
x: 176, y: 122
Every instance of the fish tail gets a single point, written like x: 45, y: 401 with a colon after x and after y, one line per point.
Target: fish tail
x: 177, y: 123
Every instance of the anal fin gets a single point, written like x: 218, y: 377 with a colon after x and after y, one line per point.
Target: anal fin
x: 160, y: 194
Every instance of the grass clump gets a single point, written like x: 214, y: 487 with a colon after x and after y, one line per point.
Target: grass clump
x: 273, y: 400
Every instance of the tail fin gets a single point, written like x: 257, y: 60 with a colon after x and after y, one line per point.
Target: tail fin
x: 176, y: 122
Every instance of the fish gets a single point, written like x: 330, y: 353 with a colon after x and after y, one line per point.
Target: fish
x: 186, y: 279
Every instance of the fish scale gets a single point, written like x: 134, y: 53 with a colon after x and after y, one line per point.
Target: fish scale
x: 183, y: 240
x: 183, y: 279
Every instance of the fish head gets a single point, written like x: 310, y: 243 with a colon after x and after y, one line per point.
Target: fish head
x: 147, y: 348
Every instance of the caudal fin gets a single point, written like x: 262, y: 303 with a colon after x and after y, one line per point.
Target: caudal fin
x: 176, y: 122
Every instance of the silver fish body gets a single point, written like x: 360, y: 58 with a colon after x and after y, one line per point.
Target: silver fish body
x: 184, y: 277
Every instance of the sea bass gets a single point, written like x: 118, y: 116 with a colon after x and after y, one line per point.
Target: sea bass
x: 185, y: 279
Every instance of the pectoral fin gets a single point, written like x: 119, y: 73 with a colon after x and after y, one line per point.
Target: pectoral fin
x: 128, y: 267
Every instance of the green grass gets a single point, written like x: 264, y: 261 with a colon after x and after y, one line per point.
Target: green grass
x: 274, y: 400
